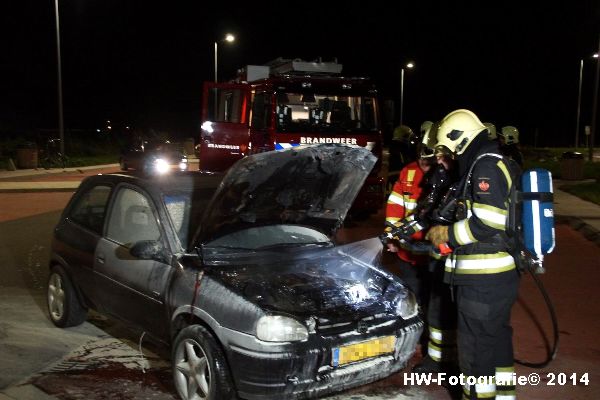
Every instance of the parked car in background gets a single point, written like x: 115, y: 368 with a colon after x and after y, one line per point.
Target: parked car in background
x: 239, y: 274
x: 154, y: 157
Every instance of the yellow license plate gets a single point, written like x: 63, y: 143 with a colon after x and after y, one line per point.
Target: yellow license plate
x: 363, y: 350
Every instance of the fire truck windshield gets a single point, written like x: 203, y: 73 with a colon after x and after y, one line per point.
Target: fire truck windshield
x: 311, y: 112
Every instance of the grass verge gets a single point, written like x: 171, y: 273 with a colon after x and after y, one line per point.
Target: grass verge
x: 589, y: 191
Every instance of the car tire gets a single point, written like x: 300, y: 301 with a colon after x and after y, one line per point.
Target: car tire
x: 123, y: 165
x: 64, y: 306
x: 200, y: 370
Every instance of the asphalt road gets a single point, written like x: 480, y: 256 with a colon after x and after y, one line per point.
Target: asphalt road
x: 103, y: 359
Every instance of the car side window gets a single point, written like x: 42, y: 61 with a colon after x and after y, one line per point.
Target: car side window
x: 131, y: 219
x: 90, y: 208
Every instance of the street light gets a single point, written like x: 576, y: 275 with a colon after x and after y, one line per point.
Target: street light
x: 228, y: 38
x: 594, y: 106
x: 579, y: 101
x: 61, y: 127
x: 410, y: 65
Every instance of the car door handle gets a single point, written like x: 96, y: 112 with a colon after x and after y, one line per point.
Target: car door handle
x: 100, y: 258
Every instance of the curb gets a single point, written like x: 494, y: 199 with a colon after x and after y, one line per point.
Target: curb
x: 41, y: 190
x: 4, y: 174
x: 578, y: 224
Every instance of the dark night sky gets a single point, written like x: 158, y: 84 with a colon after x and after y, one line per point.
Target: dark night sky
x: 143, y: 62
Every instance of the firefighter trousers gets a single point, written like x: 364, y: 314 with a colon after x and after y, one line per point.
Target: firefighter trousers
x: 484, y: 337
x: 441, y: 317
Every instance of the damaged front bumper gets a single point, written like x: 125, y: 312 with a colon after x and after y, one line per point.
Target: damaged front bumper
x: 308, y: 372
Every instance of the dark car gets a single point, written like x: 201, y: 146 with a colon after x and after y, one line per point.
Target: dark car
x: 154, y: 157
x: 239, y: 275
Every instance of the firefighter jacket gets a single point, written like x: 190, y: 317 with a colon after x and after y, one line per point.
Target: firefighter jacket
x: 402, y: 202
x: 481, y: 249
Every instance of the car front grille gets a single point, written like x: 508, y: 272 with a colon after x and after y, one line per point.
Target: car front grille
x: 329, y: 328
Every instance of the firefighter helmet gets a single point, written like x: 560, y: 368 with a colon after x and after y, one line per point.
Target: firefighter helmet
x: 425, y: 127
x: 403, y: 133
x: 458, y: 129
x: 510, y: 134
x: 428, y: 139
x: 491, y: 129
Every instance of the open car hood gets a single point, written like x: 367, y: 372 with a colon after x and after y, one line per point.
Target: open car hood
x: 311, y: 186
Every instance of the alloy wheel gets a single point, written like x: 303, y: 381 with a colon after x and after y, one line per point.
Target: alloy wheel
x: 56, y: 297
x: 193, y: 371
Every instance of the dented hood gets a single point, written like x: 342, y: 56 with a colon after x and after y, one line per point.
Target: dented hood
x: 310, y: 185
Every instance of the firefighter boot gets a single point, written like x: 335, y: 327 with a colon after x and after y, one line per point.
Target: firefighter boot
x: 427, y: 366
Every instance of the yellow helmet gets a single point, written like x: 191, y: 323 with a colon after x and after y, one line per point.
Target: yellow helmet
x: 403, y: 133
x: 428, y: 139
x: 458, y: 129
x: 491, y: 129
x: 510, y: 134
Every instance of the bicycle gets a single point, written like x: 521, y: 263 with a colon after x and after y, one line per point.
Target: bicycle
x: 51, y: 157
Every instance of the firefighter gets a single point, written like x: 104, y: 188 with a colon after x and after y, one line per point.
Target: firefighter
x: 509, y: 144
x: 401, y: 204
x: 441, y: 309
x: 481, y: 272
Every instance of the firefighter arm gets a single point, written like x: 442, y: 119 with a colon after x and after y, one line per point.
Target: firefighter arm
x: 395, y: 210
x: 489, y: 188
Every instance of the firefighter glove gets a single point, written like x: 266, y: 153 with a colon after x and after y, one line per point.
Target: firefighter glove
x: 437, y: 235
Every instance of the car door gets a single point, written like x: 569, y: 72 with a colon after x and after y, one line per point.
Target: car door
x: 132, y: 289
x: 78, y: 234
x: 224, y: 131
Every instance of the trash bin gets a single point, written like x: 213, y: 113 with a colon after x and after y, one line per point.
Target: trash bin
x: 571, y: 166
x: 27, y: 155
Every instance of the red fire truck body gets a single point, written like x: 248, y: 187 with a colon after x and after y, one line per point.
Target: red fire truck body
x: 289, y: 103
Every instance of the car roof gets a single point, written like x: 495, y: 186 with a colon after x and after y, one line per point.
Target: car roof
x: 185, y: 181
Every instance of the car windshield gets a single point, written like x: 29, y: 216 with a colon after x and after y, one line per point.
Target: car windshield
x: 270, y: 236
x: 183, y: 208
x: 296, y: 112
x: 164, y: 147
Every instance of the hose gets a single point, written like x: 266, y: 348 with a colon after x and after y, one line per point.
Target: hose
x: 424, y: 248
x: 552, y: 354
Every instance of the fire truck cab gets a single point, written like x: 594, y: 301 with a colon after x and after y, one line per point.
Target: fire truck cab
x: 288, y: 103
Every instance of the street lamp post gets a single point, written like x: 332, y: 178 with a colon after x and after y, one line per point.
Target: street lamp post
x: 579, y: 104
x: 61, y: 127
x: 595, y: 104
x: 579, y: 101
x: 228, y: 38
x: 410, y: 65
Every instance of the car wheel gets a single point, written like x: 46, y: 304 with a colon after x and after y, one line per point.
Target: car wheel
x: 200, y: 370
x: 123, y: 165
x: 63, y: 304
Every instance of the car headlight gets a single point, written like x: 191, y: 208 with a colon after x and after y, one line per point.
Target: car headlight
x: 183, y: 165
x: 406, y: 305
x: 277, y: 328
x: 161, y: 166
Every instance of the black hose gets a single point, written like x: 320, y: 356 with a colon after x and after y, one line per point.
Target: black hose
x: 552, y: 354
x: 422, y: 247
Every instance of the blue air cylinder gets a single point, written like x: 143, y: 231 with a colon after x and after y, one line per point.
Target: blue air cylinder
x: 537, y: 218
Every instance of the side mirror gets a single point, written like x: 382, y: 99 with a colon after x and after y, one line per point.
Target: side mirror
x: 149, y: 250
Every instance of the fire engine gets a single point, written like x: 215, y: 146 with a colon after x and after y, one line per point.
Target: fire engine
x: 287, y: 103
